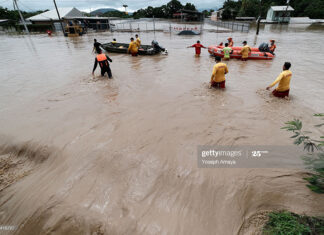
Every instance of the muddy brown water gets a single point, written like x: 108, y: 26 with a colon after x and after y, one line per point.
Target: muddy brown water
x: 120, y: 156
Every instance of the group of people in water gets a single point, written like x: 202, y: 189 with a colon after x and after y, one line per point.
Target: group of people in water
x: 220, y: 69
x: 245, y: 50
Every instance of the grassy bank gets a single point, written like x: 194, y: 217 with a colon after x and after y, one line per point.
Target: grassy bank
x: 287, y: 223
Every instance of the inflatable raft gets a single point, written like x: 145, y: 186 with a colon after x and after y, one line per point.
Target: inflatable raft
x: 254, y: 55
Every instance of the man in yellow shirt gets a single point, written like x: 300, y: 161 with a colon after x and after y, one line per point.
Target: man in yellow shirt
x: 284, y: 82
x: 245, y: 51
x: 133, y: 49
x: 218, y: 77
x: 138, y: 41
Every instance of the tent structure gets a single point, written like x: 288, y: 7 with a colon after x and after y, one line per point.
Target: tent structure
x: 51, y: 16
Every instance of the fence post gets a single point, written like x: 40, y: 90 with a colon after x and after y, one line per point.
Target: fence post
x: 154, y: 25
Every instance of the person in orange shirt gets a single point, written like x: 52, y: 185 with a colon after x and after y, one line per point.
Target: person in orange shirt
x: 102, y: 60
x: 218, y: 76
x: 284, y: 82
x: 272, y: 46
x: 133, y: 48
x: 230, y: 42
x: 197, y: 47
x: 245, y: 51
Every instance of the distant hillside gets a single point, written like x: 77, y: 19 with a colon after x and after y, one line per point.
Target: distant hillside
x: 102, y: 11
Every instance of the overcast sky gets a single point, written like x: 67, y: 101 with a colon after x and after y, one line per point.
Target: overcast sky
x: 29, y: 5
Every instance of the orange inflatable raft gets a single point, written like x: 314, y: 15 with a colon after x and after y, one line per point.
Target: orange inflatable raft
x: 254, y: 55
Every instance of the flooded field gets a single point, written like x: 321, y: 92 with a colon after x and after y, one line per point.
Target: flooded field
x: 97, y: 156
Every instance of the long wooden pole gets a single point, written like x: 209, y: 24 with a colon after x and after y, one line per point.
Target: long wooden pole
x: 21, y: 17
x: 59, y: 17
x: 259, y: 19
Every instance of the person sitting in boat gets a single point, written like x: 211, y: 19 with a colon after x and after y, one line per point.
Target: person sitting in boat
x: 157, y: 47
x: 198, y: 47
x: 245, y: 51
x: 264, y: 47
x: 138, y: 41
x: 114, y: 41
x: 218, y: 76
x: 133, y: 49
x: 227, y: 52
x: 283, y: 79
x: 272, y: 46
x: 230, y: 42
x: 102, y: 59
x: 96, y: 46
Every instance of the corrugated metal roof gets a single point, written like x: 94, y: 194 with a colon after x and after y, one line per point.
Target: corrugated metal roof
x: 282, y: 8
x: 52, y: 14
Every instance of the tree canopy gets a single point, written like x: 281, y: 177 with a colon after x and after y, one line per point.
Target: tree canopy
x: 14, y: 15
x: 164, y: 11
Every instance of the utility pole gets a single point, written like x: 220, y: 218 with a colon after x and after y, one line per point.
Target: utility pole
x: 286, y: 14
x: 21, y: 16
x: 125, y: 6
x: 59, y: 17
x: 259, y: 18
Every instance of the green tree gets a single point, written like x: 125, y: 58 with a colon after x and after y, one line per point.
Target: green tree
x: 14, y: 15
x: 249, y: 8
x: 315, y: 9
x: 231, y: 9
x: 190, y: 7
x: 172, y: 7
x: 116, y: 14
x: 314, y: 159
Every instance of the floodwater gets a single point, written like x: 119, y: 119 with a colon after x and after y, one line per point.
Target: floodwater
x: 99, y: 156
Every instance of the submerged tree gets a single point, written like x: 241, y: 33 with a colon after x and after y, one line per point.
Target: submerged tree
x: 314, y: 159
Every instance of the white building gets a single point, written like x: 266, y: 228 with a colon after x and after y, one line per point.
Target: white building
x: 279, y: 14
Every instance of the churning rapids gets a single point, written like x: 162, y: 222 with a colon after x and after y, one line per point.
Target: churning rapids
x: 98, y: 156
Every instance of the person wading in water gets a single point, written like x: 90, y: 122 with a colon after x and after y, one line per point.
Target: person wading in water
x: 218, y: 76
x: 96, y: 46
x: 283, y: 79
x: 245, y: 51
x: 102, y: 59
x: 198, y: 47
x: 133, y: 48
x: 227, y: 52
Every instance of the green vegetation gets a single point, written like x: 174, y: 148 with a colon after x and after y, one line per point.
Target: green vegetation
x: 232, y: 9
x: 207, y: 13
x: 14, y: 15
x: 120, y: 14
x: 165, y: 11
x: 287, y: 223
x: 314, y: 159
